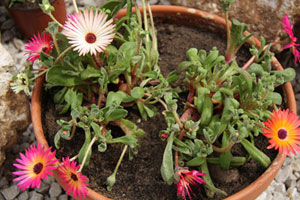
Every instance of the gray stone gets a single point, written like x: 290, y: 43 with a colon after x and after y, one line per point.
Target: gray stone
x: 293, y: 194
x: 278, y: 196
x: 266, y: 13
x: 43, y: 188
x: 63, y: 197
x: 3, y: 182
x: 2, y: 19
x: 14, y: 108
x: 284, y: 174
x: 290, y: 183
x: 24, y: 196
x: 55, y: 190
x: 36, y: 196
x: 11, y: 192
x: 6, y: 36
x: 49, y: 180
x: 280, y: 187
x: 19, y: 44
x: 8, y: 24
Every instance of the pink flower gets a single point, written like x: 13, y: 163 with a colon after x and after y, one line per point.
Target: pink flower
x: 89, y: 32
x: 187, y: 178
x: 37, y: 163
x: 38, y: 44
x: 74, y: 182
x: 288, y: 28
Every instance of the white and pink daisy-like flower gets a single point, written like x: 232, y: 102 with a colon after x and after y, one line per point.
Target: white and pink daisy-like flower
x: 89, y: 31
x: 185, y: 179
x: 37, y: 163
x: 74, y: 182
x: 37, y: 44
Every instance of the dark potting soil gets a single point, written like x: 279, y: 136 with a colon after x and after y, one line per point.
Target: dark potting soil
x: 140, y: 178
x: 27, y: 5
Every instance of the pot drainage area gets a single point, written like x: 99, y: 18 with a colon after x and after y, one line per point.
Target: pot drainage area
x: 285, y: 186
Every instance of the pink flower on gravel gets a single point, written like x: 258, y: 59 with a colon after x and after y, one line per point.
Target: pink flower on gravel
x: 185, y: 179
x: 89, y: 32
x: 74, y: 182
x: 288, y: 28
x: 37, y: 44
x: 37, y: 163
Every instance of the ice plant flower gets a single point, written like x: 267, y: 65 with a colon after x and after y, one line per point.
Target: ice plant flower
x: 89, y: 32
x: 37, y: 44
x: 37, y: 163
x: 74, y: 182
x: 288, y: 28
x: 283, y: 129
x: 185, y: 178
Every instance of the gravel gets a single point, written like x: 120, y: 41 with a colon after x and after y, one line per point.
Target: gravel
x: 286, y: 184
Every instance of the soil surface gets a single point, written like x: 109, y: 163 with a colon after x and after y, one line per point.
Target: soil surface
x: 140, y: 178
x: 28, y: 5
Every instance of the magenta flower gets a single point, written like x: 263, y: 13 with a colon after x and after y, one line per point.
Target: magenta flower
x: 89, y: 32
x: 185, y: 179
x: 37, y: 163
x: 74, y: 182
x: 288, y: 28
x: 38, y: 44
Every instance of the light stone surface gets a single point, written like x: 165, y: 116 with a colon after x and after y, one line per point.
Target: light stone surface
x: 14, y: 108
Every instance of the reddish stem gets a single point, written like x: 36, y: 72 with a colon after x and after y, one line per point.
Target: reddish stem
x: 190, y: 97
x: 194, y: 116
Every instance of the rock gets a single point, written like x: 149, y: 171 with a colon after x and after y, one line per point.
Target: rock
x: 49, y: 180
x: 18, y: 44
x: 267, y: 14
x: 11, y: 192
x: 24, y: 195
x: 278, y: 196
x: 43, y: 188
x: 14, y: 108
x: 55, y: 190
x: 3, y: 182
x: 284, y: 174
x: 6, y: 36
x: 280, y: 187
x: 36, y: 196
x: 63, y: 197
x: 8, y: 24
x: 293, y: 194
x: 298, y: 185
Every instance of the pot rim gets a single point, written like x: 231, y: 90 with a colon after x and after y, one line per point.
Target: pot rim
x: 251, y: 191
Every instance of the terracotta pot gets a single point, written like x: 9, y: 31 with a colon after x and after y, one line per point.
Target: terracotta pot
x: 198, y: 18
x: 33, y: 21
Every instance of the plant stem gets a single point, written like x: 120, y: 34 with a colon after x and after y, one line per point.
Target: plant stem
x: 120, y: 160
x: 224, y: 149
x: 53, y: 18
x: 75, y: 157
x: 75, y: 5
x: 227, y: 28
x: 87, y: 152
x: 72, y: 133
x: 39, y: 75
x: 62, y: 54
